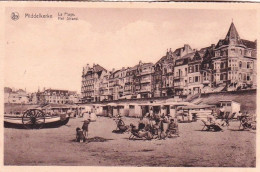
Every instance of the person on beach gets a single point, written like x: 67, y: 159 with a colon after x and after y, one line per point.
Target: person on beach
x: 172, y: 128
x: 80, y: 135
x: 85, y: 127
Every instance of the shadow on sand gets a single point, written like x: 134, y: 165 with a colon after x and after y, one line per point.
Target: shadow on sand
x: 94, y: 139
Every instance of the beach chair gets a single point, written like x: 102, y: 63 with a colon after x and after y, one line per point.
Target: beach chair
x: 210, y: 127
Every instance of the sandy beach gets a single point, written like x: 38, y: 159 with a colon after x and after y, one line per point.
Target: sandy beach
x: 103, y: 148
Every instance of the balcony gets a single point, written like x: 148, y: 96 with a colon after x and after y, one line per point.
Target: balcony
x: 148, y: 80
x: 145, y: 90
x: 145, y: 73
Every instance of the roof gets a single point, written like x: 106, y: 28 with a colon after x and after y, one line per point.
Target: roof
x: 167, y: 58
x: 98, y: 68
x: 196, y: 57
x: 7, y: 90
x: 197, y: 106
x: 249, y: 44
x: 178, y: 51
x: 188, y: 56
x: 232, y: 34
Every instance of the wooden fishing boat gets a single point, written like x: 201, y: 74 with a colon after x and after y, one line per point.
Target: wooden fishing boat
x: 35, y: 119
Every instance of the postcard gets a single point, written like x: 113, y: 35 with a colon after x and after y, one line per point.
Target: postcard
x: 128, y: 86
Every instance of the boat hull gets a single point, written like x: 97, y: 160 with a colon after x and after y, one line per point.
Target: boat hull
x: 49, y: 123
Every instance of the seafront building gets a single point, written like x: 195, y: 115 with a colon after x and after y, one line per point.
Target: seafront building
x: 229, y: 65
x: 15, y: 96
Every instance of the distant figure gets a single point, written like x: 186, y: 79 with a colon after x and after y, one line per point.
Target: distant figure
x: 79, y: 135
x: 85, y: 127
x: 172, y: 128
x: 151, y: 112
x: 141, y: 124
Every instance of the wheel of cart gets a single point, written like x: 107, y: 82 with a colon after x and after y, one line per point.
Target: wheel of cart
x: 33, y: 119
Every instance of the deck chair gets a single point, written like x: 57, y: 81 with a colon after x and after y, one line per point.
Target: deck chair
x: 210, y: 127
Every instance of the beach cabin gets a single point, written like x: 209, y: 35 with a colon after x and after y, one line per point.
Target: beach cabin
x: 194, y: 112
x: 228, y: 107
x: 134, y: 110
x: 172, y: 107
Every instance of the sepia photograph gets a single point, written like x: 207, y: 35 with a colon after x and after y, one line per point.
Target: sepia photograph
x: 130, y: 86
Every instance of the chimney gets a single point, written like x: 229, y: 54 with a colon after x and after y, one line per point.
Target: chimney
x: 213, y: 46
x: 186, y: 47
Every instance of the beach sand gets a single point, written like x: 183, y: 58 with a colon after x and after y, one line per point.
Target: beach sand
x: 231, y: 148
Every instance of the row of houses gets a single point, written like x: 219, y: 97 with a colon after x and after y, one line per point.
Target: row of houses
x: 46, y: 96
x: 19, y: 96
x: 227, y: 66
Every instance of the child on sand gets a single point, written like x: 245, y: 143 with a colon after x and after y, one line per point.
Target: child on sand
x: 85, y: 127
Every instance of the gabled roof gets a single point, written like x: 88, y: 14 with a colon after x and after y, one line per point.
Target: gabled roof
x: 178, y: 51
x: 196, y: 57
x: 98, y: 68
x: 168, y: 58
x: 190, y: 55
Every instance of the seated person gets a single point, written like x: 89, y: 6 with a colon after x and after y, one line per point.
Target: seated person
x: 79, y: 135
x: 141, y: 124
x: 172, y: 128
x: 134, y: 129
x: 121, y: 125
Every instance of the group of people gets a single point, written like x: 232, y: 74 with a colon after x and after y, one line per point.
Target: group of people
x: 152, y: 125
x: 82, y: 133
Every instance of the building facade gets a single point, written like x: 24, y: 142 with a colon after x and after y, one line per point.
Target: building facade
x: 227, y: 66
x: 15, y: 96
x: 91, y: 77
x: 234, y: 63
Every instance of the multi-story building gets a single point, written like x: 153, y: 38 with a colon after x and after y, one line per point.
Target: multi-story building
x: 181, y: 69
x: 230, y: 65
x: 56, y: 96
x: 181, y: 75
x: 11, y: 96
x: 206, y: 66
x: 91, y: 77
x: 104, y: 87
x: 234, y: 63
x: 163, y: 75
x: 143, y: 80
x: 194, y: 76
x: 129, y: 86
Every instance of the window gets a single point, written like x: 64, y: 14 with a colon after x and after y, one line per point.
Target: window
x: 190, y: 79
x: 248, y: 78
x: 221, y: 76
x: 197, y: 78
x: 240, y: 64
x: 190, y: 69
x: 244, y: 77
x: 221, y: 65
x: 197, y: 68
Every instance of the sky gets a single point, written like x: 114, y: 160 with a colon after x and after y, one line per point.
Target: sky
x: 51, y: 53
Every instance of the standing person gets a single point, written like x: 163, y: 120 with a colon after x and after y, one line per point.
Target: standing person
x: 151, y: 112
x: 85, y: 127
